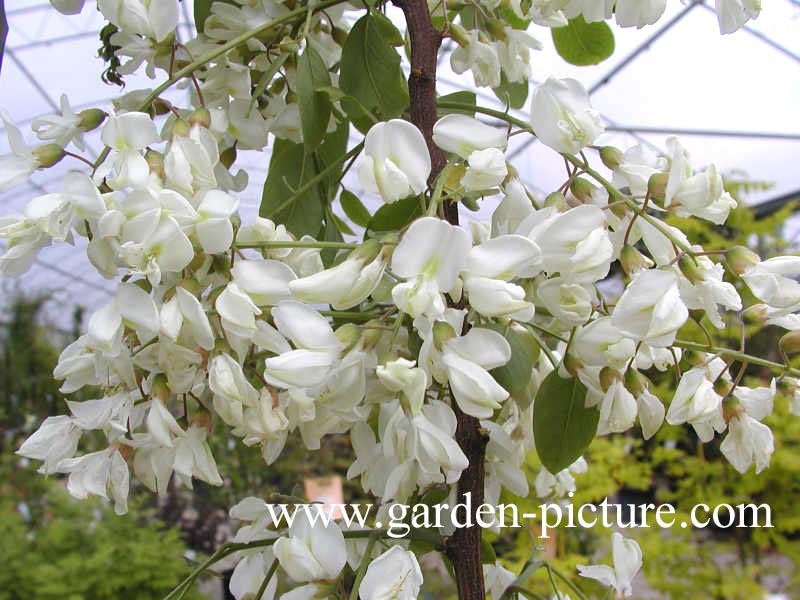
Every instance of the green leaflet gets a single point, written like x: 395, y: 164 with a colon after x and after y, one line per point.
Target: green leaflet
x: 562, y: 425
x: 370, y: 67
x: 581, y: 43
x: 314, y: 105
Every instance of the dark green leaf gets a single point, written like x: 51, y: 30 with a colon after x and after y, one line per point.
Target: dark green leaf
x: 370, y: 69
x: 514, y: 94
x: 462, y: 97
x: 331, y: 151
x: 290, y: 167
x: 314, y: 105
x: 354, y: 209
x: 581, y: 43
x: 396, y: 215
x: 202, y: 8
x: 330, y: 234
x: 340, y: 224
x: 562, y: 425
x: 488, y: 555
x: 516, y: 373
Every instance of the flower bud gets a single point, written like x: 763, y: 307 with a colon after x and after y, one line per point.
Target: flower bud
x: 723, y: 387
x: 191, y: 285
x: 790, y: 342
x: 657, y: 185
x: 366, y: 251
x: 459, y: 34
x: 635, y: 382
x: 611, y: 157
x: 555, y: 199
x: 632, y: 260
x: 161, y: 107
x: 155, y: 161
x: 756, y: 315
x: 371, y: 334
x: 572, y: 364
x: 160, y: 388
x: 694, y: 358
x: 608, y: 376
x: 48, y: 155
x: 201, y: 116
x: 91, y: 118
x: 688, y: 266
x: 180, y: 128
x: 349, y: 334
x: 731, y: 409
x: 582, y: 189
x: 740, y: 259
x: 442, y: 333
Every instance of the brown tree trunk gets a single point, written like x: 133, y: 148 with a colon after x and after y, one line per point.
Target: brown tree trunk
x: 464, y: 546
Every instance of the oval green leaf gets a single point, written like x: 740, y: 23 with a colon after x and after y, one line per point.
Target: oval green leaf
x: 396, y: 215
x: 314, y: 105
x: 581, y: 43
x: 516, y: 373
x: 354, y: 208
x: 563, y: 427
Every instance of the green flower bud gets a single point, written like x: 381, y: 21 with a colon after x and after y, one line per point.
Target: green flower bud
x: 91, y: 118
x: 349, y: 334
x: 48, y: 155
x: 582, y: 189
x: 657, y: 185
x: 608, y: 376
x: 731, y: 409
x: 181, y: 128
x: 635, y: 382
x: 740, y: 259
x: 442, y: 333
x: 155, y: 160
x: 688, y: 266
x: 723, y: 387
x: 756, y: 315
x: 632, y: 260
x: 201, y: 116
x: 790, y: 342
x: 611, y: 157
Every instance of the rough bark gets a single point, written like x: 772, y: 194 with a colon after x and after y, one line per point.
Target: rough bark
x: 464, y: 546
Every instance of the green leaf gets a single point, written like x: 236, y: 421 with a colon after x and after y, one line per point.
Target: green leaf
x: 396, y: 215
x: 314, y: 105
x: 354, y: 208
x: 462, y: 97
x: 562, y: 425
x: 514, y: 94
x: 340, y: 224
x: 488, y: 555
x: 289, y: 167
x: 581, y: 43
x: 370, y: 69
x: 202, y: 9
x: 516, y: 373
x: 330, y: 234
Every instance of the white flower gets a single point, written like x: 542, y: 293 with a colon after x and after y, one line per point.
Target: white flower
x: 773, y: 281
x: 618, y: 409
x: 97, y: 473
x: 56, y: 439
x: 20, y: 163
x: 155, y: 18
x: 394, y: 575
x: 496, y: 298
x: 214, y: 229
x: 405, y: 379
x: 311, y: 551
x: 487, y: 169
x: 128, y: 134
x: 480, y: 58
x: 575, y: 244
x: 232, y: 391
x: 560, y: 484
x: 463, y: 135
x: 638, y: 164
x: 651, y: 308
x: 562, y: 117
x: 430, y: 256
x: 467, y: 360
x: 732, y: 14
x: 627, y: 557
x: 568, y: 302
x: 60, y: 129
x: 396, y: 162
x: 710, y: 292
x: 347, y: 284
x: 638, y: 13
x: 701, y: 194
x: 514, y: 53
x: 68, y: 7
x: 749, y: 441
x: 249, y: 574
x: 696, y: 402
x: 237, y: 311
x: 267, y: 282
x: 591, y: 10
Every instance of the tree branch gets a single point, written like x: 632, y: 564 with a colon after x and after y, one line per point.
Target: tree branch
x: 464, y: 546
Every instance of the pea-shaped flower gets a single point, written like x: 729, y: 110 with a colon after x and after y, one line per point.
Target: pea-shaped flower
x: 562, y: 117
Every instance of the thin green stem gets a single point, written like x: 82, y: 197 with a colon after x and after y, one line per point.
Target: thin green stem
x: 736, y: 355
x: 516, y: 589
x: 566, y: 580
x: 362, y: 568
x: 297, y: 244
x: 352, y: 315
x: 289, y: 17
x: 263, y: 587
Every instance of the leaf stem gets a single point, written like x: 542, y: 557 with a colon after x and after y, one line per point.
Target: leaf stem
x: 297, y: 244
